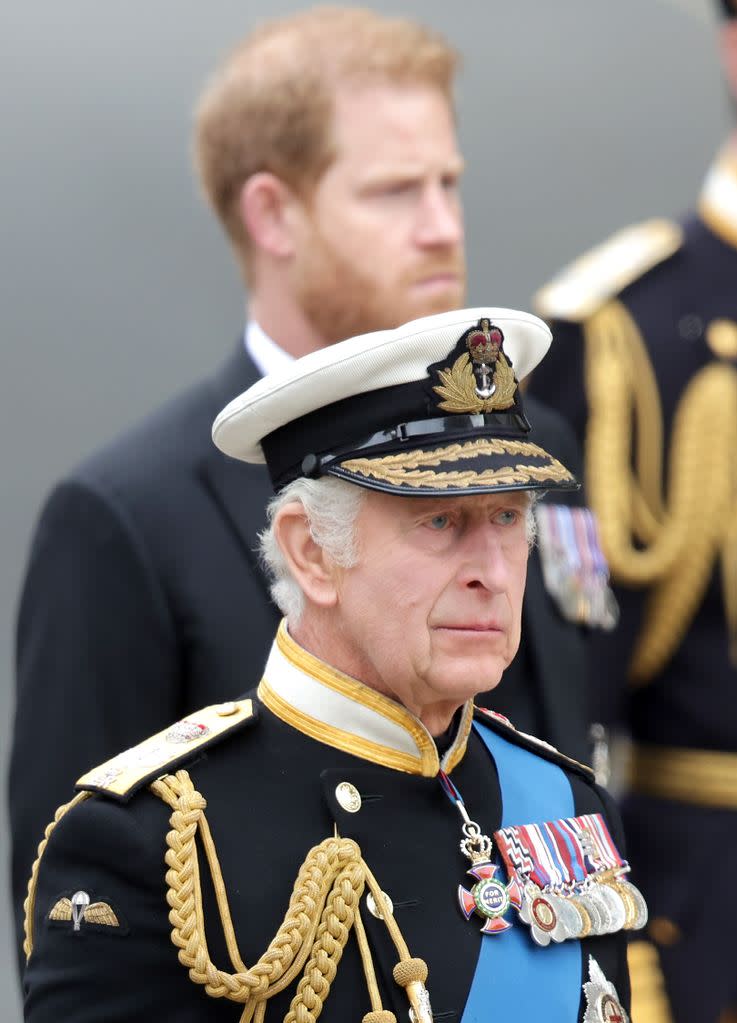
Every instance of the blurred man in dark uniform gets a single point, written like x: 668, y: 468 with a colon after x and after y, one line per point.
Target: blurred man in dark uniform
x: 442, y: 865
x: 645, y: 365
x: 326, y: 145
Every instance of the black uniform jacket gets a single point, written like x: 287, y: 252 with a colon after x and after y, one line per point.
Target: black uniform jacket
x: 272, y: 792
x: 674, y: 305
x: 144, y: 599
x: 676, y: 300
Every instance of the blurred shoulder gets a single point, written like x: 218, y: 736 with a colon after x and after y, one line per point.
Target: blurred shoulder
x: 608, y: 269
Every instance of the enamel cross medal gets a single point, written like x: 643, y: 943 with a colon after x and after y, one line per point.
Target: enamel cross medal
x: 489, y: 898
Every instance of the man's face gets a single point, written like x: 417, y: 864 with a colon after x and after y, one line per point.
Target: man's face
x: 430, y: 615
x: 381, y: 240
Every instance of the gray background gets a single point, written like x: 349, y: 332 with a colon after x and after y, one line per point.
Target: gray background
x: 576, y: 116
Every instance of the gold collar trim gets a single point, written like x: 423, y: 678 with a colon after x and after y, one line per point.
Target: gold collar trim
x: 718, y: 200
x: 334, y: 708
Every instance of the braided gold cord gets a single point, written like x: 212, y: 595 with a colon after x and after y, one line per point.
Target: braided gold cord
x: 322, y: 910
x: 676, y: 597
x: 729, y: 581
x: 608, y: 455
x: 332, y: 935
x: 682, y: 537
x: 289, y: 949
x: 29, y: 905
x: 648, y: 475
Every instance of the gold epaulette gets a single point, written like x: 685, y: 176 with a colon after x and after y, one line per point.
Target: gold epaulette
x: 544, y: 749
x: 126, y: 773
x: 606, y: 270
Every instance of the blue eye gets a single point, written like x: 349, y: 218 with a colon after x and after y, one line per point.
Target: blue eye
x: 508, y: 518
x: 439, y: 522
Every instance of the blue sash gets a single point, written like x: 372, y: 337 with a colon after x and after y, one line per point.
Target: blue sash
x: 515, y: 979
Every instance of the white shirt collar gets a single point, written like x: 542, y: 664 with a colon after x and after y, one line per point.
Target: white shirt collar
x: 266, y: 354
x: 718, y: 200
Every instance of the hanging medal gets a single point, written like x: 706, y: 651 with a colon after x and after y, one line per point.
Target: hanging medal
x: 489, y: 897
x: 607, y: 881
x: 566, y: 878
x: 572, y: 877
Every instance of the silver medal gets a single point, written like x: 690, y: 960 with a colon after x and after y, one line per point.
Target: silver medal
x: 594, y: 893
x: 599, y: 921
x: 617, y: 911
x: 571, y: 921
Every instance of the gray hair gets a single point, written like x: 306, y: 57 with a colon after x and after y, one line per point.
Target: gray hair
x: 331, y: 506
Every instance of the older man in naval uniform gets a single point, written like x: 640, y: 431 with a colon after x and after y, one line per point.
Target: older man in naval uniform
x: 352, y: 839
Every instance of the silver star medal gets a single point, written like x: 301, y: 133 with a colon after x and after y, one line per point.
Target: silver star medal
x: 602, y: 1000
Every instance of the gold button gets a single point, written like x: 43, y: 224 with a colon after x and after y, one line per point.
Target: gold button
x: 226, y: 709
x: 664, y: 932
x: 348, y: 797
x: 374, y: 909
x: 721, y: 336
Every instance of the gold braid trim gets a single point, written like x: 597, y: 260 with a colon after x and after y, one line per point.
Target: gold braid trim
x: 321, y: 912
x: 729, y: 581
x: 682, y: 536
x: 649, y: 999
x: 29, y: 906
x: 417, y: 468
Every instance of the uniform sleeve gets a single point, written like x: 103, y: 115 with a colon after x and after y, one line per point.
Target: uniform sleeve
x: 119, y: 965
x: 96, y: 660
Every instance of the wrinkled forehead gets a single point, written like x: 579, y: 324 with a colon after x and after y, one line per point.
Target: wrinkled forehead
x: 395, y: 507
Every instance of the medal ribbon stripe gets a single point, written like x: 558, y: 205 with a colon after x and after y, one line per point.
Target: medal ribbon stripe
x: 572, y: 840
x: 567, y: 531
x: 544, y: 856
x: 515, y: 854
x: 532, y: 790
x: 587, y: 843
x: 582, y: 541
x: 604, y: 841
x: 538, y: 874
x: 560, y: 850
x: 592, y: 537
x: 591, y: 829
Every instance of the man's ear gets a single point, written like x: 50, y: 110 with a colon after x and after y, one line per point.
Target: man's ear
x: 266, y: 205
x: 313, y: 569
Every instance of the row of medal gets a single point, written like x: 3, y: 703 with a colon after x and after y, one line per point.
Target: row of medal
x: 574, y: 568
x: 566, y: 880
x: 571, y: 879
x: 606, y: 905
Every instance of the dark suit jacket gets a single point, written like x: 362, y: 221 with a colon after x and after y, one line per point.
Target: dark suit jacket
x: 128, y: 619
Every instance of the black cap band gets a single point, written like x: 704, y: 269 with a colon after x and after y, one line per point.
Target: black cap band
x: 377, y: 423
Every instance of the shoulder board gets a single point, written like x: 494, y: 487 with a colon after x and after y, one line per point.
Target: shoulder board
x: 504, y: 726
x: 604, y: 271
x: 123, y: 775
